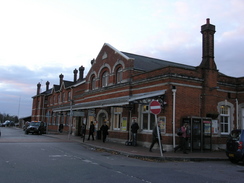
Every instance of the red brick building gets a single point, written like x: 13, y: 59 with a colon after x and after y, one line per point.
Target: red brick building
x: 120, y: 86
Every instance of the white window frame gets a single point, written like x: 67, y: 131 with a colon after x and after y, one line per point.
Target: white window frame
x: 117, y: 118
x: 93, y: 83
x: 145, y: 113
x: 105, y: 79
x: 224, y: 119
x: 119, y: 75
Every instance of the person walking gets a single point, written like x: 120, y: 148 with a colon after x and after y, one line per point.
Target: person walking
x: 134, y: 128
x: 91, y: 131
x: 83, y: 131
x: 183, y: 139
x: 61, y: 127
x: 156, y: 131
x: 104, y: 129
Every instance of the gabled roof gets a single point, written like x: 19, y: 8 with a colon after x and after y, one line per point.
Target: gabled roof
x: 148, y: 64
x: 56, y: 88
x: 67, y: 83
x: 117, y: 51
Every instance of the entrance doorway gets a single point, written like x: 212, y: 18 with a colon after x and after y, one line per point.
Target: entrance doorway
x: 101, y: 118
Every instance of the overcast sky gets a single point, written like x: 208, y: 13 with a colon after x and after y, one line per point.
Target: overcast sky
x: 40, y: 39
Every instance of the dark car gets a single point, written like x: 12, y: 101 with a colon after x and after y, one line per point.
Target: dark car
x: 26, y: 125
x: 235, y: 146
x: 36, y: 128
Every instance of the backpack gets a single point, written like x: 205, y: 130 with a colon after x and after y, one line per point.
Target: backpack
x: 179, y: 132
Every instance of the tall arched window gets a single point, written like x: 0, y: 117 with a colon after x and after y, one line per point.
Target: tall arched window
x: 105, y: 79
x: 93, y: 83
x: 119, y: 75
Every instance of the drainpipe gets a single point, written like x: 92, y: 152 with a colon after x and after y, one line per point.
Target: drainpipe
x: 71, y: 113
x: 174, y: 91
x: 237, y: 120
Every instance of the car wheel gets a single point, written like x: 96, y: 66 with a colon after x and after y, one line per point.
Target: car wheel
x: 234, y: 161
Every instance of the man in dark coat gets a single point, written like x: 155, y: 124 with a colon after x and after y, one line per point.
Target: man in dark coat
x: 83, y: 131
x: 134, y: 128
x: 91, y: 131
x: 104, y: 128
x: 155, y: 139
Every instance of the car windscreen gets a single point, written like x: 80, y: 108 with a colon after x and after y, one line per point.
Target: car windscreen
x: 235, y: 135
x: 34, y: 124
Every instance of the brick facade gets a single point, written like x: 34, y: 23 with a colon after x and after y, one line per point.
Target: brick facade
x: 117, y: 97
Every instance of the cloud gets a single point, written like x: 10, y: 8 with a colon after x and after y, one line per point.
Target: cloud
x: 42, y: 39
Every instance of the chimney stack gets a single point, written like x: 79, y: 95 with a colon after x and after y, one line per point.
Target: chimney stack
x: 47, y: 85
x: 208, y: 31
x: 75, y: 75
x: 38, y: 88
x: 61, y: 76
x: 81, y: 69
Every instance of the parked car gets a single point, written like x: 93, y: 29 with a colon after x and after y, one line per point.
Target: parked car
x: 235, y: 146
x: 34, y: 127
x: 6, y: 123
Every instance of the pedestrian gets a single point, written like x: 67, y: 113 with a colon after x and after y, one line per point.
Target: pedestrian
x: 183, y: 139
x: 83, y: 131
x: 91, y: 131
x: 134, y: 128
x: 156, y: 131
x: 104, y: 129
x: 60, y: 128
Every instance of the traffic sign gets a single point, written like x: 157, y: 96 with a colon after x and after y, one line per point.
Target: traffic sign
x: 155, y: 107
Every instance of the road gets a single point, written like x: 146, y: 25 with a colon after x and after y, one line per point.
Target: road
x: 42, y: 158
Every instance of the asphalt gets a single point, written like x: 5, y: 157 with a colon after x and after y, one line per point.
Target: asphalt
x: 142, y: 153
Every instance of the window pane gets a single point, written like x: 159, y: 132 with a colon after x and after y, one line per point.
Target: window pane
x: 105, y: 79
x: 119, y: 75
x: 152, y: 121
x: 93, y: 83
x: 145, y: 121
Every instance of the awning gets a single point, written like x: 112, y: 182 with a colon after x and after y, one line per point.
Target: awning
x: 120, y: 101
x: 146, y: 95
x: 113, y: 102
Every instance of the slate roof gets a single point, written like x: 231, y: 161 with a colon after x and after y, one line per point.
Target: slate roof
x: 149, y: 64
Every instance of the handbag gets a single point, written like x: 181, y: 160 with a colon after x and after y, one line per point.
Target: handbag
x: 179, y: 132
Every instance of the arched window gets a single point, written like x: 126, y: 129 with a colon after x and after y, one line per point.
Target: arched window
x: 93, y: 83
x: 119, y: 75
x: 69, y: 96
x: 105, y: 79
x: 63, y: 98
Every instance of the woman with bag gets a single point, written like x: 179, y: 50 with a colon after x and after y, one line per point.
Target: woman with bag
x: 184, y: 139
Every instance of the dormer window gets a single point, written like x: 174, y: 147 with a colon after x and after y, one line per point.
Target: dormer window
x: 105, y: 79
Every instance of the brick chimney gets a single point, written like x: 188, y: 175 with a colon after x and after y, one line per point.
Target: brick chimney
x: 61, y: 77
x: 47, y: 85
x: 38, y: 88
x: 208, y: 31
x: 81, y: 69
x: 75, y: 75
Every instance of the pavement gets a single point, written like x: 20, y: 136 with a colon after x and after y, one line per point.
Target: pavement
x: 140, y: 152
